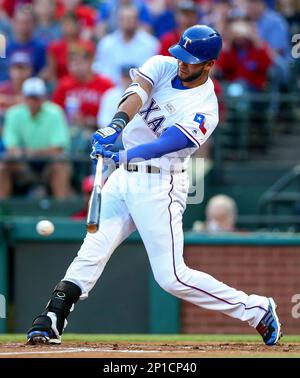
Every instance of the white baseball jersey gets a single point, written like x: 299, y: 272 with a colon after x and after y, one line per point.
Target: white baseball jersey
x: 194, y: 111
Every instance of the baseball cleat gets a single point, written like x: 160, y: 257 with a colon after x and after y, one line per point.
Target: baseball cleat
x: 43, y: 330
x: 269, y: 327
x: 42, y: 337
x: 38, y: 337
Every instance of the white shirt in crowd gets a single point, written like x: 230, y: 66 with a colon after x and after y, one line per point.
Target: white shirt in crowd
x: 109, y: 105
x: 113, y: 52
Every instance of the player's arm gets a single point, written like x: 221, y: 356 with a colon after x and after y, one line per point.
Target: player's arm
x: 131, y: 102
x: 173, y: 139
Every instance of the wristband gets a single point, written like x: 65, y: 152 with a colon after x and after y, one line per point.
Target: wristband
x: 120, y: 120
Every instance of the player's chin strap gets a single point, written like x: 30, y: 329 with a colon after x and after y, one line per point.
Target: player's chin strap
x: 135, y: 88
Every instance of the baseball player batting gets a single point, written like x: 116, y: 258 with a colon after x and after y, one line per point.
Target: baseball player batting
x: 165, y: 115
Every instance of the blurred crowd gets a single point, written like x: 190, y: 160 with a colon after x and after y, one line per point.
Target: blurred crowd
x: 67, y: 62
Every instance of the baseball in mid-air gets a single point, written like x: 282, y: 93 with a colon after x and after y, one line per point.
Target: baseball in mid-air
x: 45, y: 227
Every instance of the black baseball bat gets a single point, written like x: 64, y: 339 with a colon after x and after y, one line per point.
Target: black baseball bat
x: 93, y: 217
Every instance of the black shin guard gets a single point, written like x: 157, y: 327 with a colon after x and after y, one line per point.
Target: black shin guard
x: 64, y: 296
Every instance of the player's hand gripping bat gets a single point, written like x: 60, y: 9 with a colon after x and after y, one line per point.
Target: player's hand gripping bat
x: 93, y: 217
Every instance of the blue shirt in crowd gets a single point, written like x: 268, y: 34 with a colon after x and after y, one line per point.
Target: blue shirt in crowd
x: 274, y: 30
x: 34, y: 48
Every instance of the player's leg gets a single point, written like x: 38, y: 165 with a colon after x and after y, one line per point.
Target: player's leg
x: 162, y: 235
x: 115, y: 226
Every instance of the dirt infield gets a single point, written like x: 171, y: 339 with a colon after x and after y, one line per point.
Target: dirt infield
x: 148, y: 350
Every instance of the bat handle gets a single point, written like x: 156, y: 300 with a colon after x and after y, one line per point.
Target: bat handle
x: 98, y: 174
x: 95, y: 200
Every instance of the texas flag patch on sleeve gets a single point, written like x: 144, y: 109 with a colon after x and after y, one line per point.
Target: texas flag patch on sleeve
x: 200, y: 119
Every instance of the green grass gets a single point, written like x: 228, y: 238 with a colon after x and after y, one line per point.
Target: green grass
x: 5, y: 338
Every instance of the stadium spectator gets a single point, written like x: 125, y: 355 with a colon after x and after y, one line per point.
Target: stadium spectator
x: 162, y: 16
x: 271, y: 3
x: 108, y: 20
x: 86, y: 15
x: 186, y: 16
x: 271, y: 26
x: 47, y: 29
x: 247, y: 58
x: 82, y: 88
x: 5, y: 24
x: 217, y: 13
x: 86, y: 188
x: 273, y: 29
x: 221, y: 215
x: 20, y: 69
x: 290, y: 10
x: 127, y: 45
x: 35, y: 130
x: 23, y: 40
x: 58, y: 51
x: 111, y: 98
x: 244, y: 64
x: 10, y: 6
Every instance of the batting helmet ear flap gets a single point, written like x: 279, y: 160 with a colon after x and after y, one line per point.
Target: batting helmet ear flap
x: 198, y: 44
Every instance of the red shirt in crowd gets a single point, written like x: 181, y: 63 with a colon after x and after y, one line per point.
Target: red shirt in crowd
x: 167, y: 40
x: 88, y: 93
x: 59, y: 51
x: 250, y: 64
x: 10, y: 5
x: 86, y: 15
x: 80, y: 215
x: 8, y: 96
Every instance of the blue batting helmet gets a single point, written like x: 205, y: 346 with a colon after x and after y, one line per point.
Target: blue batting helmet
x: 197, y: 44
